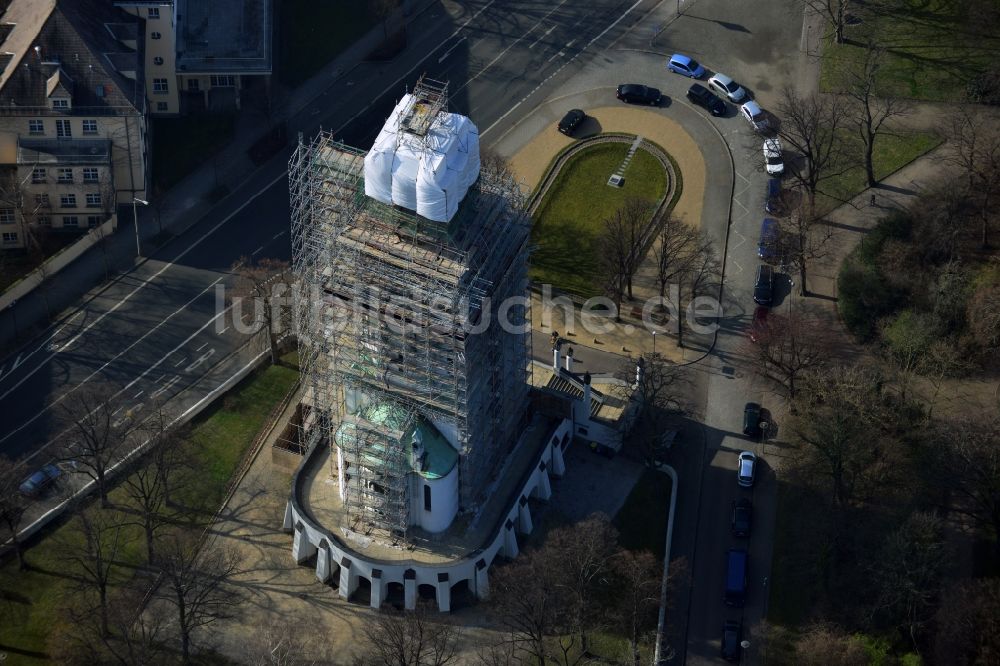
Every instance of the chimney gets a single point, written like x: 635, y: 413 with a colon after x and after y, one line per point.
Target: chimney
x: 569, y: 360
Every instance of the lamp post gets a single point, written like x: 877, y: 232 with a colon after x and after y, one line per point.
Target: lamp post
x: 654, y: 343
x: 135, y: 219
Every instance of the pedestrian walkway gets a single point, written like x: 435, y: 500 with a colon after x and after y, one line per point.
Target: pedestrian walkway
x: 325, y: 95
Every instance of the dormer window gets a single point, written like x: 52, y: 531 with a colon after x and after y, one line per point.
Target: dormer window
x: 60, y: 103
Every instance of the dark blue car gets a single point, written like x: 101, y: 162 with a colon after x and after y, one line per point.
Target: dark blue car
x: 768, y: 247
x: 36, y: 484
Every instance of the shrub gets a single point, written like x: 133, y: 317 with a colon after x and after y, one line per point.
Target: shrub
x: 863, y: 298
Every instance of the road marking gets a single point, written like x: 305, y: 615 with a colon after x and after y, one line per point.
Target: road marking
x: 183, y: 358
x: 541, y: 37
x: 16, y: 363
x: 257, y: 251
x: 561, y: 67
x: 138, y: 394
x: 202, y: 347
x: 448, y: 52
x: 116, y: 411
x: 165, y: 387
x: 278, y: 235
x: 201, y: 359
x: 223, y: 330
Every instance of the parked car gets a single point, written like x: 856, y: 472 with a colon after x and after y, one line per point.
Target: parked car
x: 685, y: 66
x: 746, y: 469
x: 755, y: 116
x: 732, y: 636
x: 773, y: 161
x: 774, y: 201
x: 769, y: 245
x: 37, y: 483
x: 571, y: 121
x: 635, y: 93
x: 702, y: 96
x: 751, y: 419
x: 742, y: 518
x: 758, y: 327
x: 728, y: 88
x: 737, y: 573
x: 763, y: 288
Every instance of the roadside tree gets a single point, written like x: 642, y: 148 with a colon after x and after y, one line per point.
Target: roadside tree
x: 264, y: 283
x: 834, y: 12
x: 871, y: 111
x: 658, y: 391
x: 788, y: 348
x: 12, y: 505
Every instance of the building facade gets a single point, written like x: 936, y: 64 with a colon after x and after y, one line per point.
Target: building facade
x: 200, y: 54
x: 73, y: 141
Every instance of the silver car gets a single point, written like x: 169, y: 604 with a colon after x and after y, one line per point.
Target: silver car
x: 745, y: 470
x: 755, y: 116
x: 725, y: 86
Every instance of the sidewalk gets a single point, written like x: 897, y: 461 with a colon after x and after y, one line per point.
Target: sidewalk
x: 187, y: 203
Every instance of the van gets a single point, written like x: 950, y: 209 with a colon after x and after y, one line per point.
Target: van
x: 737, y: 572
x: 767, y: 246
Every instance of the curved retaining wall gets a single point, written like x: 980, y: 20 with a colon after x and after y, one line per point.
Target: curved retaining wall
x: 333, y: 555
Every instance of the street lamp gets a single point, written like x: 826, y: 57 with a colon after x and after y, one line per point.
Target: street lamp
x: 654, y: 343
x: 135, y: 219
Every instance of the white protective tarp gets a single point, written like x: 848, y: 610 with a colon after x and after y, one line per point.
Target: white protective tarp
x: 430, y: 176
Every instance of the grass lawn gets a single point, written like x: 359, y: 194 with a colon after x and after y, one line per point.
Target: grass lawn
x: 569, y: 222
x: 642, y: 520
x: 219, y: 439
x: 311, y: 34
x: 181, y: 144
x: 934, y: 48
x: 892, y: 152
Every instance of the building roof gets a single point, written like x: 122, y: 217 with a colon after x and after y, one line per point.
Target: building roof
x: 224, y: 36
x: 62, y: 47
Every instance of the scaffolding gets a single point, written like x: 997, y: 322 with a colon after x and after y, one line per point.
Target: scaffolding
x: 394, y: 308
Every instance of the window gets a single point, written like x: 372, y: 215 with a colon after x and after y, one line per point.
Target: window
x: 223, y: 81
x: 67, y: 200
x: 93, y: 201
x: 65, y: 175
x: 153, y: 12
x: 157, y: 60
x: 71, y: 221
x: 60, y: 104
x: 90, y: 127
x: 193, y: 85
x: 42, y: 200
x: 155, y: 35
x: 6, y: 216
x: 427, y: 497
x: 160, y: 86
x: 63, y: 129
x: 38, y: 175
x: 90, y: 174
x: 9, y: 238
x: 44, y: 220
x: 36, y: 127
x: 93, y: 221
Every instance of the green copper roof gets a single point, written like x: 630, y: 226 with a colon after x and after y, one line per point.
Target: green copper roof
x: 441, y: 457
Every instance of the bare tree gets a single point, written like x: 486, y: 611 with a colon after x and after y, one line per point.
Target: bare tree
x: 703, y: 269
x: 197, y: 585
x: 975, y: 146
x: 675, y: 243
x: 788, y: 348
x: 983, y: 315
x: 383, y: 9
x: 656, y: 392
x: 871, y: 111
x: 620, y: 248
x: 805, y: 238
x: 409, y: 638
x: 265, y: 283
x: 285, y: 643
x: 827, y: 645
x: 92, y: 552
x: 967, y: 627
x: 637, y: 581
x: 833, y: 11
x: 12, y: 505
x: 810, y: 126
x: 99, y: 435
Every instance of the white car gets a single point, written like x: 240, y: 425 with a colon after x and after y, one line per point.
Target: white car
x: 755, y: 116
x: 725, y: 86
x: 746, y: 468
x: 773, y: 162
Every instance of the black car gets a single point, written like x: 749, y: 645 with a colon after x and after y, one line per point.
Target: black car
x: 751, y: 419
x: 732, y: 636
x: 702, y: 96
x: 634, y: 93
x: 773, y: 202
x: 763, y: 287
x: 571, y: 121
x: 742, y: 517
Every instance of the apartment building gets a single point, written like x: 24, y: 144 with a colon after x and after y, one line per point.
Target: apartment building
x: 73, y: 142
x: 203, y: 55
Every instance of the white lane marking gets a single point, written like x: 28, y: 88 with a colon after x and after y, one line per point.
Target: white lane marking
x: 278, y: 235
x: 173, y: 380
x: 116, y: 411
x: 183, y: 358
x: 541, y: 37
x: 448, y: 52
x: 113, y: 359
x: 202, y: 347
x: 257, y: 251
x: 575, y: 56
x: 512, y: 45
x: 556, y: 55
x: 138, y: 394
x: 201, y: 359
x: 223, y: 330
